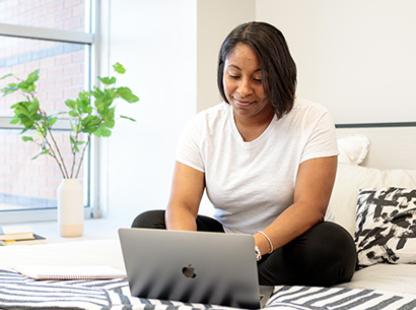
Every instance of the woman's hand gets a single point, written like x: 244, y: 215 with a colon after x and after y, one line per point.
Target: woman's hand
x: 187, y: 189
x: 264, y: 245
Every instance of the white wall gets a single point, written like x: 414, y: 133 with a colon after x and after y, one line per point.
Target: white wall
x: 356, y: 57
x: 170, y: 49
x: 156, y: 41
x: 215, y: 20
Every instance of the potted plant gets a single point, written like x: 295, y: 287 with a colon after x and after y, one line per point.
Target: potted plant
x: 91, y: 113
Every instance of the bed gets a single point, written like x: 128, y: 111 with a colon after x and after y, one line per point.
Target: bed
x: 375, y: 287
x: 381, y: 284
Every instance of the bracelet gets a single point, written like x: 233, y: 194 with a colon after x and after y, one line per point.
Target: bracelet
x: 258, y: 253
x: 268, y: 240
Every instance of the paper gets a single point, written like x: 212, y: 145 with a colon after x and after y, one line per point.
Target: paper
x: 15, y: 229
x: 42, y: 272
x: 36, y: 239
x: 15, y: 232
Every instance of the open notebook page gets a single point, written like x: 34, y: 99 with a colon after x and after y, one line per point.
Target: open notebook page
x: 43, y: 272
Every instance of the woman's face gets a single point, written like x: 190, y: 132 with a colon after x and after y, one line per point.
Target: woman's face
x: 243, y: 86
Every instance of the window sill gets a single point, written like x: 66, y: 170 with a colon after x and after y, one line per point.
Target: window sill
x: 94, y: 229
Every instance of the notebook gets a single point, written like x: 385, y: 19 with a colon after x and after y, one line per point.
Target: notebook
x: 43, y: 272
x: 16, y: 232
x: 192, y: 267
x: 36, y: 239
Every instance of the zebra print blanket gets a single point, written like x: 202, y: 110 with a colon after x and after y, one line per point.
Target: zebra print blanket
x: 19, y: 292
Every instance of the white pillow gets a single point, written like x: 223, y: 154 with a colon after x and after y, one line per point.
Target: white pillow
x: 350, y: 179
x: 353, y: 149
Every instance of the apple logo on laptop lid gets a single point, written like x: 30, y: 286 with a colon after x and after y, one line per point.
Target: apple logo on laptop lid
x: 189, y: 271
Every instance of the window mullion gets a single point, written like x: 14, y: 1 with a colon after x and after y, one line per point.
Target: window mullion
x: 49, y: 34
x: 61, y: 124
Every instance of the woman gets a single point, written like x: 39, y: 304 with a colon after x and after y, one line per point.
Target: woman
x: 267, y: 161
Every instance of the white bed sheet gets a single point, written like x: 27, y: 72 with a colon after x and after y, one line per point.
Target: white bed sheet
x: 71, y: 253
x: 399, y: 278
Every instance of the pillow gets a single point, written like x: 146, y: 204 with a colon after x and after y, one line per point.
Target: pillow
x: 353, y: 149
x: 386, y: 226
x: 349, y: 180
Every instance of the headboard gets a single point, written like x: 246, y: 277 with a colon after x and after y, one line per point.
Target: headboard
x: 392, y: 145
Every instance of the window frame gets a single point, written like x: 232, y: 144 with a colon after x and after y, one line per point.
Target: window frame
x: 89, y: 40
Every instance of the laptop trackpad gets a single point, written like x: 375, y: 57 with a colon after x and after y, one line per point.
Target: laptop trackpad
x: 265, y: 293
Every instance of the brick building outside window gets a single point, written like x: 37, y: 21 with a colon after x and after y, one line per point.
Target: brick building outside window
x: 40, y: 34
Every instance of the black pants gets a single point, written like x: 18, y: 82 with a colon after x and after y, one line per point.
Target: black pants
x: 323, y: 256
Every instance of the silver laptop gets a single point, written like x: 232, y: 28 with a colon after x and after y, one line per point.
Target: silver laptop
x: 193, y: 267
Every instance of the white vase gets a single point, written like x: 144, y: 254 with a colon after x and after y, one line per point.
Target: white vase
x: 70, y: 208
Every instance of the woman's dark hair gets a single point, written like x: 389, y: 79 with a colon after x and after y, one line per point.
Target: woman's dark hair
x: 276, y: 63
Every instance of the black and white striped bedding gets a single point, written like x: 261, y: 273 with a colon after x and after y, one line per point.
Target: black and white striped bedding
x: 19, y: 292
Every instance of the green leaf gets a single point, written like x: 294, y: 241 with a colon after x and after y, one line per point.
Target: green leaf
x: 27, y: 87
x: 20, y: 109
x: 110, y: 123
x: 42, y: 131
x: 102, y: 106
x: 70, y: 103
x: 126, y: 94
x: 127, y: 117
x: 27, y: 138
x: 45, y: 151
x: 96, y: 92
x: 26, y: 121
x: 108, y: 117
x: 84, y: 103
x: 51, y: 121
x: 74, y: 144
x: 90, y: 123
x: 33, y: 76
x: 118, y: 67
x: 107, y: 80
x: 15, y: 120
x: 102, y: 131
x: 87, y: 109
x: 33, y: 107
x: 9, y: 89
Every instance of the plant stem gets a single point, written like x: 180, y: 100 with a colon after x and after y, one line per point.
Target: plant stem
x: 51, y: 150
x: 82, y: 155
x: 55, y: 150
x: 54, y: 157
x: 57, y: 161
x: 74, y: 155
x: 59, y: 153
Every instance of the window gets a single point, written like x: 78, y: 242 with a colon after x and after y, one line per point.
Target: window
x: 56, y: 37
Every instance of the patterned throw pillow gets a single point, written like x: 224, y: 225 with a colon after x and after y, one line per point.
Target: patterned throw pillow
x: 385, y: 229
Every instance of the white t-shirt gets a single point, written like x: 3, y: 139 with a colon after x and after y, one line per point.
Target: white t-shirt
x: 251, y: 183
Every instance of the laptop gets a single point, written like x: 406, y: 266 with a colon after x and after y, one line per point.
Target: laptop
x: 193, y: 267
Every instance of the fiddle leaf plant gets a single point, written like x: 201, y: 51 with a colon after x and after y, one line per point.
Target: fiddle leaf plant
x: 91, y: 113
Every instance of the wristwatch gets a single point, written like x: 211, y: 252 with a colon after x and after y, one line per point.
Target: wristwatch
x: 258, y: 253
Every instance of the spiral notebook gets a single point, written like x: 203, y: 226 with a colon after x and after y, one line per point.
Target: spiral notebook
x: 42, y: 272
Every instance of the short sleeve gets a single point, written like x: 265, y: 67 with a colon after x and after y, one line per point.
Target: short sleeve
x: 321, y: 141
x: 188, y: 150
